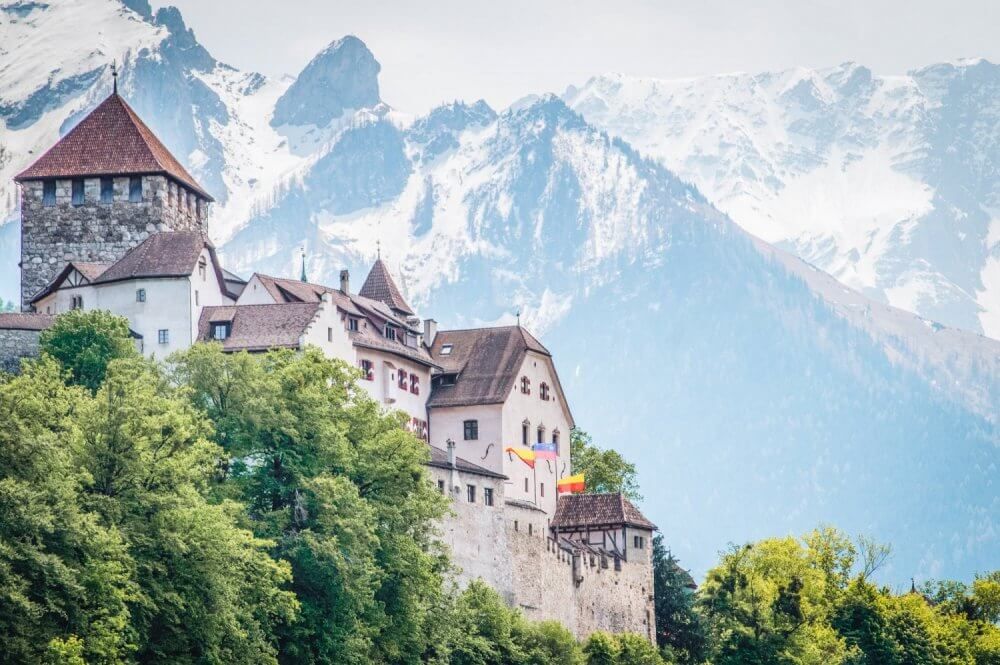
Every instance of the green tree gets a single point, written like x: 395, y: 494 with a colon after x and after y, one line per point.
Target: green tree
x: 85, y: 342
x: 340, y: 488
x: 207, y: 589
x: 680, y: 632
x: 602, y: 649
x: 605, y: 470
x: 635, y: 649
x: 64, y: 576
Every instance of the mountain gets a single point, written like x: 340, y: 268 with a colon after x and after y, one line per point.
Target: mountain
x: 757, y: 394
x: 889, y: 183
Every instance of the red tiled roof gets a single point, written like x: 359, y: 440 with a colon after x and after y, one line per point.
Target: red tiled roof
x: 90, y: 271
x: 597, y: 510
x: 380, y: 286
x: 259, y: 327
x: 110, y: 140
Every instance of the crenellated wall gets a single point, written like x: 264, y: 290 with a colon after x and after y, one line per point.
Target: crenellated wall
x: 94, y: 231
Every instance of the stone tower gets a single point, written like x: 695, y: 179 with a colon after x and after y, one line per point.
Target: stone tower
x: 100, y: 190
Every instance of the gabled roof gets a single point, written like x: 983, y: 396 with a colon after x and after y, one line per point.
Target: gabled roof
x: 259, y: 327
x: 165, y: 254
x: 597, y: 510
x: 376, y: 313
x: 25, y: 321
x: 90, y: 272
x: 380, y: 286
x: 110, y: 140
x: 486, y: 362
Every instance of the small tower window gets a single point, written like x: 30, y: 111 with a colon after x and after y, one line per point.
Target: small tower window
x: 163, y: 336
x: 49, y: 192
x: 525, y: 385
x: 541, y: 434
x: 140, y: 295
x: 78, y: 191
x: 555, y: 440
x: 471, y: 430
x: 401, y: 379
x: 107, y: 190
x: 135, y: 189
x: 472, y: 493
x: 414, y: 384
x: 543, y: 391
x: 202, y: 268
x: 76, y: 302
x: 524, y: 432
x: 488, y: 496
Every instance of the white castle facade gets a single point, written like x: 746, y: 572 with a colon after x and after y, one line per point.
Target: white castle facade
x: 110, y: 220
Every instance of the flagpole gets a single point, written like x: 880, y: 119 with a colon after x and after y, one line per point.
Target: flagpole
x: 534, y: 473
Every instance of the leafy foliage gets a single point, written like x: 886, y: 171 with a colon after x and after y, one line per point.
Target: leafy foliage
x: 680, y: 630
x: 85, y: 343
x: 605, y: 470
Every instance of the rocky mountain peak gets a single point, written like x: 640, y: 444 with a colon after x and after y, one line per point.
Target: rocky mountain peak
x: 342, y: 76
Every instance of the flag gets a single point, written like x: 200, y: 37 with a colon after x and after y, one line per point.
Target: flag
x: 524, y: 454
x: 571, y: 484
x: 544, y: 450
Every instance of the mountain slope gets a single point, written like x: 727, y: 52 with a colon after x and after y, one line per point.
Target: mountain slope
x: 757, y: 394
x: 887, y: 182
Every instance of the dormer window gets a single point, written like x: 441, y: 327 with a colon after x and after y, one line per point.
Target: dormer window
x: 48, y: 192
x: 446, y: 349
x: 543, y: 391
x: 352, y: 324
x: 525, y: 385
x: 220, y: 331
x: 390, y: 332
x: 77, y: 190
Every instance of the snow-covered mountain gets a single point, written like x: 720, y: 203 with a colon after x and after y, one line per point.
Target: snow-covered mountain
x: 757, y: 394
x: 890, y: 183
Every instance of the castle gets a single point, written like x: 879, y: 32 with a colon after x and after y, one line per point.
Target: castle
x: 111, y: 220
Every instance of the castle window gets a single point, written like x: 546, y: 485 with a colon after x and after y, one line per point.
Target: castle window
x: 352, y: 324
x: 515, y: 525
x: 541, y: 434
x: 390, y: 332
x: 524, y: 432
x: 555, y: 440
x: 639, y: 542
x: 107, y: 190
x: 488, y: 496
x: 135, y: 189
x: 446, y: 349
x: 76, y: 302
x: 220, y: 331
x: 471, y: 430
x: 77, y: 191
x: 163, y: 336
x: 414, y: 384
x: 49, y: 192
x: 471, y: 491
x: 543, y: 392
x: 329, y: 334
x: 140, y: 295
x: 401, y: 379
x: 525, y: 385
x: 368, y: 370
x: 441, y: 486
x: 202, y: 268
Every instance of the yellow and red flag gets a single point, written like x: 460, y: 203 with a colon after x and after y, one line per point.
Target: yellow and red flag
x: 526, y: 455
x: 571, y: 484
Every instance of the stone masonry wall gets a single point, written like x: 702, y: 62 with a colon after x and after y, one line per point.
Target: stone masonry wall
x: 510, y: 549
x: 52, y: 235
x: 15, y: 345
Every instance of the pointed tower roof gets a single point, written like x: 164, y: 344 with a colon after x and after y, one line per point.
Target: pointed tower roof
x: 110, y: 140
x: 380, y: 286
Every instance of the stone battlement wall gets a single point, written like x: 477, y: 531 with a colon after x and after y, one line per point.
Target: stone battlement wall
x: 15, y: 345
x: 52, y: 235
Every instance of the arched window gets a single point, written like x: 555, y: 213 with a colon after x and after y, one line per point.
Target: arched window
x: 541, y: 434
x: 525, y: 426
x: 525, y: 385
x: 543, y: 391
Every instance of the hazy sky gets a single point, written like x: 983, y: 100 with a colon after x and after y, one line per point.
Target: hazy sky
x: 434, y: 51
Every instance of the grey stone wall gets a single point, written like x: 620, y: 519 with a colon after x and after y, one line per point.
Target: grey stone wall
x: 51, y: 235
x: 15, y: 345
x: 509, y: 547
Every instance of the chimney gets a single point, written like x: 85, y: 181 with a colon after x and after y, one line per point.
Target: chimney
x: 430, y: 331
x: 345, y: 282
x: 451, y: 452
